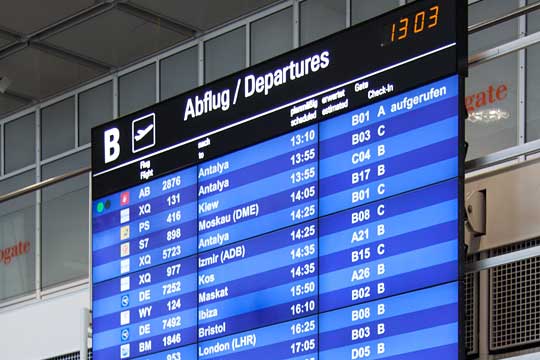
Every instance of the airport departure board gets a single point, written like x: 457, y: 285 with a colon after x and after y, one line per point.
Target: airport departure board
x: 309, y: 207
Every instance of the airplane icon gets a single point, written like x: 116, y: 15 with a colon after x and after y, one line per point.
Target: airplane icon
x: 143, y: 132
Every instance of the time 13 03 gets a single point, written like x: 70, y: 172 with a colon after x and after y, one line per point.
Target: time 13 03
x: 414, y: 24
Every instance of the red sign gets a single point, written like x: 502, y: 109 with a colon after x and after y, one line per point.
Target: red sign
x: 486, y: 97
x: 19, y: 249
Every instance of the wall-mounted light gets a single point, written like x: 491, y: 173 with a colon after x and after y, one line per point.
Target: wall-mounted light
x: 488, y: 116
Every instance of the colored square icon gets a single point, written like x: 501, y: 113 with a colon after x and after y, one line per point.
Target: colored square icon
x: 125, y: 317
x: 124, y: 283
x: 124, y: 266
x: 124, y: 249
x: 124, y: 351
x: 124, y: 232
x: 124, y: 198
x: 124, y: 301
x: 124, y: 216
x: 124, y: 335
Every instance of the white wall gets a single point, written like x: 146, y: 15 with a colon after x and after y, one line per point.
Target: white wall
x: 43, y: 329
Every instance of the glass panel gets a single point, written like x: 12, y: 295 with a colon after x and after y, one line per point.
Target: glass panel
x: 533, y: 80
x: 17, y: 182
x: 58, y: 128
x: 20, y: 142
x: 496, y: 35
x: 533, y: 93
x: 1, y: 151
x: 492, y: 106
x: 271, y: 36
x: 65, y: 223
x: 362, y: 10
x: 71, y: 163
x: 95, y: 108
x: 225, y: 54
x: 9, y: 103
x: 17, y: 239
x: 65, y: 232
x: 533, y: 20
x: 179, y: 73
x: 137, y: 90
x: 319, y: 18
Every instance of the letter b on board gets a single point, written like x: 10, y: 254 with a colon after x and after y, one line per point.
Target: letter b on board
x: 112, y: 147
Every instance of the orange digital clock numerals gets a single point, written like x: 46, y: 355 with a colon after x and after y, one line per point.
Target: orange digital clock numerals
x: 403, y: 30
x: 419, y: 22
x: 422, y: 20
x: 434, y: 17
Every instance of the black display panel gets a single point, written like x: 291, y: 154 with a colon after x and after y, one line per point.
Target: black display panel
x: 304, y: 208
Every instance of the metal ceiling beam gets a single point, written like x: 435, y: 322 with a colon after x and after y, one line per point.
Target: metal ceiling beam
x: 22, y: 44
x: 35, y: 40
x: 73, y: 20
x: 12, y: 48
x: 157, y: 18
x: 18, y: 43
x: 71, y: 56
x: 9, y: 34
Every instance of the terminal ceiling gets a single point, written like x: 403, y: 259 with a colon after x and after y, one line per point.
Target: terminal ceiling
x: 50, y: 46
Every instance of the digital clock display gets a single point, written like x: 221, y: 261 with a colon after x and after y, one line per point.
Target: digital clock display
x: 318, y: 219
x: 411, y: 25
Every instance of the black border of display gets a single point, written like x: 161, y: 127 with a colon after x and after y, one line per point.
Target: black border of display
x: 114, y: 177
x: 462, y: 70
x: 345, y: 61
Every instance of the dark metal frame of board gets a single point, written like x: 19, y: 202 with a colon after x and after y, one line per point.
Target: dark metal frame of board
x: 354, y: 52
